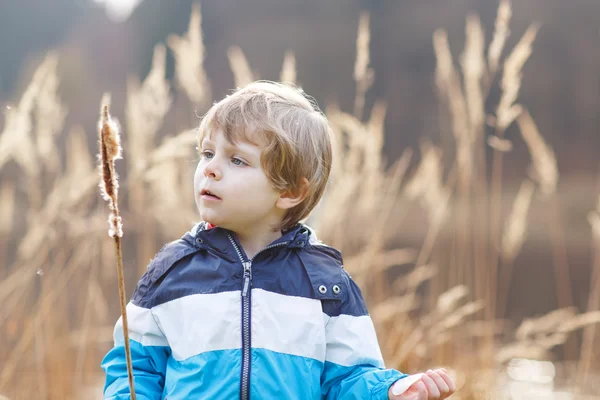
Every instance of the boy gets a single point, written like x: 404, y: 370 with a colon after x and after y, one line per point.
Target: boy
x: 249, y: 304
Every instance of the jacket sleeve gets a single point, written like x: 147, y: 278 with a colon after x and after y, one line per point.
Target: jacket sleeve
x: 149, y: 355
x: 353, y: 362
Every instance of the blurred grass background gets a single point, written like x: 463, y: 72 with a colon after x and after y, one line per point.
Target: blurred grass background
x: 464, y: 194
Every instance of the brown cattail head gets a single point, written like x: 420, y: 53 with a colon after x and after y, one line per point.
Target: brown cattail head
x: 110, y: 135
x: 110, y: 150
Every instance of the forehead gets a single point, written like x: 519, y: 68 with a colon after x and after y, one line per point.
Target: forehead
x: 234, y: 139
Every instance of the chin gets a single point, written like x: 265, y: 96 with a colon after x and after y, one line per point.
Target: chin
x: 211, y: 219
x: 208, y: 219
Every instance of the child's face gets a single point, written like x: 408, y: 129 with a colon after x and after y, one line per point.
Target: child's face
x: 231, y: 188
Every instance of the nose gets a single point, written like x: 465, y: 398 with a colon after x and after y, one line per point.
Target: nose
x: 212, y: 170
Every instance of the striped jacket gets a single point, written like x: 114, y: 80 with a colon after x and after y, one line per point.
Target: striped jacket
x: 207, y: 323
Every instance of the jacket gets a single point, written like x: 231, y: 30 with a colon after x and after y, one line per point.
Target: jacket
x: 207, y: 323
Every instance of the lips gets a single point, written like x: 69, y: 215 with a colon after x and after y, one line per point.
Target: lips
x: 208, y: 194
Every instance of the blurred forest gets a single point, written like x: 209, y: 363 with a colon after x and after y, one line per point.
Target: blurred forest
x: 403, y: 168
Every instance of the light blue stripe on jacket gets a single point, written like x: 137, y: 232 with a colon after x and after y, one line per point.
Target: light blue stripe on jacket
x: 195, y: 377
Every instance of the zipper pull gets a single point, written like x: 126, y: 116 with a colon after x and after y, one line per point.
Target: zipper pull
x: 247, y: 277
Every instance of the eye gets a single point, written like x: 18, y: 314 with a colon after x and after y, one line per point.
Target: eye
x: 238, y: 161
x: 207, y: 154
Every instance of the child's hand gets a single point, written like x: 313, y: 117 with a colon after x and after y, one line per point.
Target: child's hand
x: 434, y: 385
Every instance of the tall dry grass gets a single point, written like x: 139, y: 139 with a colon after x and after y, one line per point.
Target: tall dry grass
x: 432, y: 306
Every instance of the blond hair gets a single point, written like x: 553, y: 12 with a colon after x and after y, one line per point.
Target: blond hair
x: 294, y: 132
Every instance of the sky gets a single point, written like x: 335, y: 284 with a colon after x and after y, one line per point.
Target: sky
x: 119, y: 10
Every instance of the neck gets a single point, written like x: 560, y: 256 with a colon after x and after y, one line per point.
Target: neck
x: 253, y: 242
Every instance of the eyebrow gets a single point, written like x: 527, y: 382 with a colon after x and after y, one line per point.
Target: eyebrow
x: 228, y: 144
x: 230, y: 147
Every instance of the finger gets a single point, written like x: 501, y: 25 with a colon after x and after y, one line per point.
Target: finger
x: 440, y: 383
x: 448, y: 380
x: 432, y: 389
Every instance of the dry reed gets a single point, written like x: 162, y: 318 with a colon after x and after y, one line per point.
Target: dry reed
x: 147, y: 105
x: 50, y: 114
x: 189, y: 60
x: 66, y: 223
x: 506, y: 112
x: 363, y: 75
x: 288, y: 69
x: 7, y: 209
x: 587, y: 352
x: 514, y: 233
x: 543, y: 169
x: 513, y: 238
x: 242, y: 74
x: 501, y: 33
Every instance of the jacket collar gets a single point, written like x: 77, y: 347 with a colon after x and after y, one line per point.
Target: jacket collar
x: 202, y: 235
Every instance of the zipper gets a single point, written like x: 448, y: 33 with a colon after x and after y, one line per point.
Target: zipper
x: 246, y: 316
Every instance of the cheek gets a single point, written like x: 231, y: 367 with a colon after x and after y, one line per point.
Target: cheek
x: 258, y: 185
x: 197, y: 178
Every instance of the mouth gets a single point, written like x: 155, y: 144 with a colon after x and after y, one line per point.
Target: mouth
x: 207, y: 194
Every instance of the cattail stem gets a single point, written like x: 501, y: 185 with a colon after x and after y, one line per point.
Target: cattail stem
x: 110, y: 149
x: 121, y: 279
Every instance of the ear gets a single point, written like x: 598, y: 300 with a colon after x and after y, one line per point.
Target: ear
x: 291, y: 198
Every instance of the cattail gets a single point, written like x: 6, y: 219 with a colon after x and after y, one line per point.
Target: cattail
x: 288, y: 69
x: 110, y: 150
